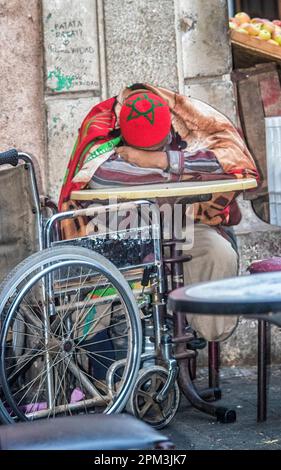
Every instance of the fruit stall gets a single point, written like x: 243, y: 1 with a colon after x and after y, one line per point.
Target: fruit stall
x: 256, y: 48
x: 254, y: 40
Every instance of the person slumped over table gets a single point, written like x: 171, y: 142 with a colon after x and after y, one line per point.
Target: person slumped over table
x: 167, y: 137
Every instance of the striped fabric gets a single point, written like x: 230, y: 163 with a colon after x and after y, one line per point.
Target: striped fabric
x: 115, y: 171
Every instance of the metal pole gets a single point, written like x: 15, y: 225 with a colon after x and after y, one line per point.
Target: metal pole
x: 231, y: 9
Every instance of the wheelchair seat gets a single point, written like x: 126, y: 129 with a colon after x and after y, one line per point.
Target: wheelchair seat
x: 83, y: 432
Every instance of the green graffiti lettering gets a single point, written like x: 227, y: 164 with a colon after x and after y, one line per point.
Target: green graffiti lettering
x: 63, y: 82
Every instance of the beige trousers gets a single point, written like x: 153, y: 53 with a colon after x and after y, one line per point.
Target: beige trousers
x: 213, y: 258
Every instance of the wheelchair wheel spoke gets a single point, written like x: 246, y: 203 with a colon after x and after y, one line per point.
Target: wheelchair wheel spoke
x: 23, y: 362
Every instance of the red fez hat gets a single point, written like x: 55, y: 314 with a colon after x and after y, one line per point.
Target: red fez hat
x: 145, y: 120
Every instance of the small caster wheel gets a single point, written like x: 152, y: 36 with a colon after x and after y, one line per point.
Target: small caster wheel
x: 142, y: 402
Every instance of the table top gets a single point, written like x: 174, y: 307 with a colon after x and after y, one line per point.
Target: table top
x: 148, y: 191
x: 250, y: 295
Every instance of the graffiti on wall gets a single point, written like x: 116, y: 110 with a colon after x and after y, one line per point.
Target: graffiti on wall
x: 71, y: 46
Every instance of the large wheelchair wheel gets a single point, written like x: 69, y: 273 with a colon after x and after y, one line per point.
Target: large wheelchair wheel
x: 70, y: 336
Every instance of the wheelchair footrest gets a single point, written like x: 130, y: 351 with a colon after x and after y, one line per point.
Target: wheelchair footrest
x: 196, y: 343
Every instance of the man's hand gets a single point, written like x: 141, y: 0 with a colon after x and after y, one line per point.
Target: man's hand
x: 143, y: 158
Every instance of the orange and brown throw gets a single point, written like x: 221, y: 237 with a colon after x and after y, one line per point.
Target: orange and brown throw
x: 205, y: 134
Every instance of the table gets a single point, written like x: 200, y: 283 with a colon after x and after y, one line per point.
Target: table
x: 151, y: 191
x: 257, y: 296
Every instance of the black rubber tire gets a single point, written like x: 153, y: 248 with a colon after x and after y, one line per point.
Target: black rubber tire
x: 15, y: 281
x: 155, y: 421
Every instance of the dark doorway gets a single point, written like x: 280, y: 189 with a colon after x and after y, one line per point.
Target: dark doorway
x: 270, y: 9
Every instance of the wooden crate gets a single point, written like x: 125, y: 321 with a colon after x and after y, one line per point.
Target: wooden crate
x: 256, y: 47
x: 258, y: 95
x: 248, y: 51
x: 257, y: 69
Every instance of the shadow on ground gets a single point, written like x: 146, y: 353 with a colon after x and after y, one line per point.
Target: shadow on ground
x: 193, y: 430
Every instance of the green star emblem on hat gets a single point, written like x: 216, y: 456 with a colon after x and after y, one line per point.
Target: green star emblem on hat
x: 136, y: 112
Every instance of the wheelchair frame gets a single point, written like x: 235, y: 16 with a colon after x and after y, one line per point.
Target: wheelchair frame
x: 173, y: 353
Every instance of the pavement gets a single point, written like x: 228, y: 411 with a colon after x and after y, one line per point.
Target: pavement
x: 194, y: 430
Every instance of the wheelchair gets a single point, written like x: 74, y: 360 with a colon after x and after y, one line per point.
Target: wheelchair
x: 84, y: 326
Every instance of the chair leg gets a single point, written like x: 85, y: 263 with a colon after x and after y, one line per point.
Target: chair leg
x: 263, y: 361
x: 214, y: 364
x: 213, y: 393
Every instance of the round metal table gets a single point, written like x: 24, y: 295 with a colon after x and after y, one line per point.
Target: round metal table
x: 257, y: 297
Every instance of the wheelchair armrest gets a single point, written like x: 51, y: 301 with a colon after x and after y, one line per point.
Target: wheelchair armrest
x: 85, y: 432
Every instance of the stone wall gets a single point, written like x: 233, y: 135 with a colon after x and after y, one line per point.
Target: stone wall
x: 140, y: 43
x: 22, y: 113
x: 206, y: 53
x: 72, y: 77
x: 92, y: 49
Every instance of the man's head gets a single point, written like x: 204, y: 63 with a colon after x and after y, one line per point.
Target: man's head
x: 145, y: 120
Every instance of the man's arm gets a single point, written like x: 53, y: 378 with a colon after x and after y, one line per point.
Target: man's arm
x: 174, y: 161
x: 131, y: 166
x: 144, y: 158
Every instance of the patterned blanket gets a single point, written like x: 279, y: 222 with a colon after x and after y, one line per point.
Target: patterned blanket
x: 198, y: 124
